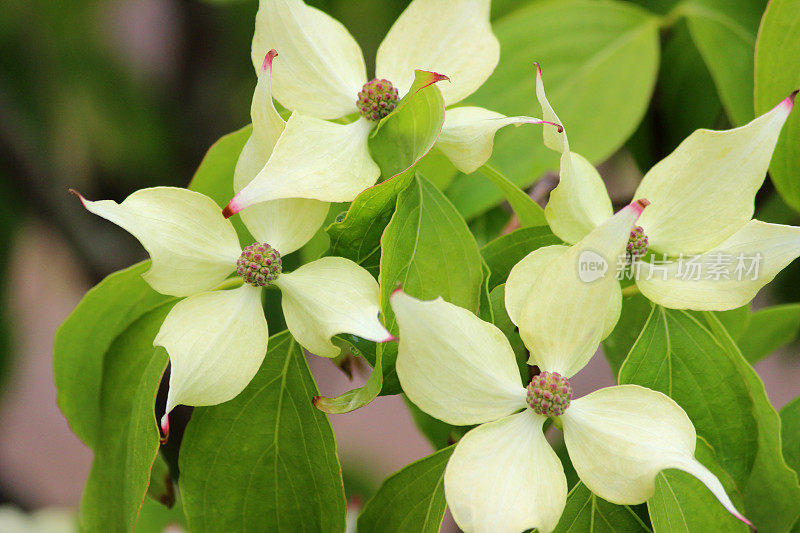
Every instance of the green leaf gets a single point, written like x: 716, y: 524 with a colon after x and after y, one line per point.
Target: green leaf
x: 403, y: 137
x: 686, y: 98
x: 428, y: 249
x: 777, y: 73
x: 682, y: 503
x: 355, y: 398
x: 587, y: 513
x: 790, y: 433
x: 507, y: 250
x: 771, y: 491
x: 725, y: 34
x: 358, y: 235
x: 83, y: 344
x: 214, y: 176
x: 676, y: 355
x: 411, y: 499
x: 399, y: 142
x: 266, y: 460
x: 528, y: 212
x: 599, y: 80
x: 123, y: 457
x: 635, y: 312
x: 768, y: 330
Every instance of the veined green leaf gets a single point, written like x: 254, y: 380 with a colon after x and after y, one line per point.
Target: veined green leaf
x: 777, y: 73
x: 399, y: 141
x: 127, y: 435
x: 409, y: 132
x: 411, y: 499
x: 677, y: 355
x: 428, y: 249
x: 587, y: 513
x: 266, y: 460
x: 599, y: 80
x: 772, y: 493
x: 725, y: 34
x: 83, y: 343
x: 682, y: 503
x: 507, y: 250
x: 635, y: 312
x: 790, y: 433
x: 768, y: 330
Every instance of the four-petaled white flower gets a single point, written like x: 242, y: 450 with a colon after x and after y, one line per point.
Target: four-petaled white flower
x: 503, y: 476
x: 321, y: 78
x: 217, y: 339
x: 703, y: 200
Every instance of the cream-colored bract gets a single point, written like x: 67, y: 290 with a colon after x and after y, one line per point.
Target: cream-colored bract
x: 476, y: 388
x: 288, y: 223
x: 192, y: 248
x: 629, y: 434
x: 217, y: 339
x: 320, y: 71
x: 702, y: 196
x: 765, y: 249
x: 216, y: 342
x: 467, y: 137
x: 502, y: 475
x: 566, y: 310
x: 453, y: 37
x: 329, y: 296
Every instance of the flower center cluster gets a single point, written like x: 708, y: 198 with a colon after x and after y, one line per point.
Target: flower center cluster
x: 637, y: 244
x: 259, y: 265
x: 377, y: 99
x: 549, y: 394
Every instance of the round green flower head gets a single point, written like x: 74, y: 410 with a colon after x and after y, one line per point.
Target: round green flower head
x: 637, y: 244
x: 259, y: 265
x: 377, y: 98
x: 549, y: 394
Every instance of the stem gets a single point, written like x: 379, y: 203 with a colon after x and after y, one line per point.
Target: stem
x: 631, y: 290
x: 490, y: 172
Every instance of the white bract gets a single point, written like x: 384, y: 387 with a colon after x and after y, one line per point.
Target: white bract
x: 217, y: 339
x: 703, y: 200
x: 321, y: 72
x: 503, y: 476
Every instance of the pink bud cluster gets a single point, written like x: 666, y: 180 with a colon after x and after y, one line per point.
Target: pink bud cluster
x: 377, y: 98
x: 259, y: 265
x: 637, y: 244
x: 549, y: 394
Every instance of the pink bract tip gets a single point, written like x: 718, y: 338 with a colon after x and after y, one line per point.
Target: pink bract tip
x: 538, y: 68
x: 232, y: 208
x: 398, y: 289
x: 267, y: 64
x: 164, y: 428
x: 638, y: 205
x: 439, y: 77
x: 788, y: 102
x: 79, y: 195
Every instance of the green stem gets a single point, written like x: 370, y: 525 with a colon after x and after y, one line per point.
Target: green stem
x: 631, y: 290
x: 491, y: 172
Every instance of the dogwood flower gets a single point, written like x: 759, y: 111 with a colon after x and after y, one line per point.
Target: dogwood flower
x: 217, y: 339
x: 503, y: 476
x: 321, y: 78
x: 703, y: 200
